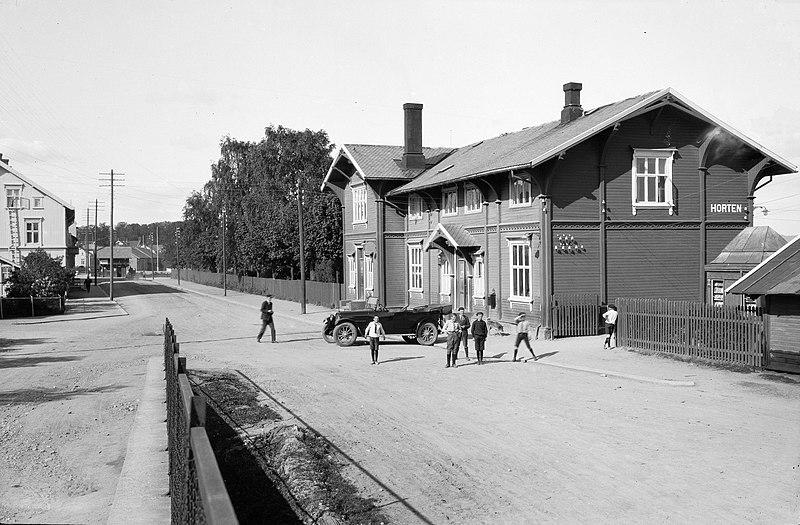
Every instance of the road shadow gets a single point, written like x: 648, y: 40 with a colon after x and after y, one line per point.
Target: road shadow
x: 129, y: 288
x: 395, y: 359
x: 41, y: 395
x: 33, y: 360
x: 7, y: 345
x: 497, y: 356
x: 548, y: 354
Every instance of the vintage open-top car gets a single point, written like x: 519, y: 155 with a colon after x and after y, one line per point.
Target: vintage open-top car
x: 418, y: 323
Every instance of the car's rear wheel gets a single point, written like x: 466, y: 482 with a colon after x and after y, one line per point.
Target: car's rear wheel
x: 345, y: 334
x: 327, y: 335
x: 427, y: 333
x: 410, y: 338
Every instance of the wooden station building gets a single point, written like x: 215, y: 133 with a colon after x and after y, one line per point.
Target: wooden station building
x: 631, y: 199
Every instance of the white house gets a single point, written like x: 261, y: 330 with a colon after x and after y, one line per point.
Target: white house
x: 31, y: 218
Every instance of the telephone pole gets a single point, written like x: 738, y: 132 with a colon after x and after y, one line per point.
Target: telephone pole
x: 302, y: 247
x: 86, y: 244
x: 224, y: 260
x: 110, y: 183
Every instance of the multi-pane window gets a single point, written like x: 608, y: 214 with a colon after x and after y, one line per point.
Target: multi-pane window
x: 477, y: 277
x: 520, y: 190
x: 472, y: 199
x: 414, y: 206
x: 351, y: 273
x: 415, y: 267
x: 38, y: 202
x: 652, y: 178
x: 32, y: 232
x: 445, y: 277
x: 520, y: 270
x: 12, y: 196
x: 450, y: 201
x: 359, y: 204
x: 368, y: 272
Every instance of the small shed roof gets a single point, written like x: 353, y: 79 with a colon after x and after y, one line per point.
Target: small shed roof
x: 749, y: 248
x: 778, y: 274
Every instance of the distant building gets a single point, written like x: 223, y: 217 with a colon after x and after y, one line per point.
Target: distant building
x: 33, y: 218
x: 139, y: 258
x: 630, y: 199
x: 775, y: 285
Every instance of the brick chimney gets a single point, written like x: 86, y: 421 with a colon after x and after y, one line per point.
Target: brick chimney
x: 412, y: 146
x: 2, y: 159
x: 572, y: 102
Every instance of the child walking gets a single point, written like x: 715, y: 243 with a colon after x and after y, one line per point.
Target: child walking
x: 374, y: 332
x: 610, y: 318
x: 523, y: 327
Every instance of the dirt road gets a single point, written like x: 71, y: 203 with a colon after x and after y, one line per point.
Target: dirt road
x: 501, y: 443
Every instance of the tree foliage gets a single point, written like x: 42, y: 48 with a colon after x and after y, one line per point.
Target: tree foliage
x: 255, y: 185
x: 39, y: 275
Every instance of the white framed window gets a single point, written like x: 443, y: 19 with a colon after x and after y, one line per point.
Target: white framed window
x: 651, y: 179
x: 415, y: 267
x: 33, y: 232
x: 477, y: 277
x: 359, y: 204
x: 38, y: 202
x: 414, y: 206
x: 520, y: 275
x: 472, y: 199
x: 521, y: 193
x: 450, y: 201
x: 718, y: 292
x: 369, y: 266
x: 351, y: 271
x: 445, y: 276
x: 13, y: 194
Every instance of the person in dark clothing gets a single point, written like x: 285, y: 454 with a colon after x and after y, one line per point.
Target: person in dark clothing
x: 463, y: 325
x: 479, y: 332
x: 266, y: 318
x: 88, y: 283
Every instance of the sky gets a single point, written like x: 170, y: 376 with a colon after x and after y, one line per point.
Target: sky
x: 150, y: 88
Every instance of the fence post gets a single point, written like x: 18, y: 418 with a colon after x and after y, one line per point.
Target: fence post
x: 33, y: 312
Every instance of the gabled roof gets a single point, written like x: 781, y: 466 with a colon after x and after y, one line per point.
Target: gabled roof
x: 779, y: 274
x: 379, y: 162
x: 750, y: 247
x: 455, y: 235
x: 26, y: 180
x: 125, y: 252
x: 533, y: 146
x: 9, y: 262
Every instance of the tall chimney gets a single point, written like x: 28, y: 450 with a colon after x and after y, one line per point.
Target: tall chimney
x: 412, y: 148
x: 572, y: 102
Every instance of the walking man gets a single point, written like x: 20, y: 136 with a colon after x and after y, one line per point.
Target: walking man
x: 479, y: 332
x: 266, y: 318
x: 374, y: 332
x: 463, y: 325
x: 523, y: 327
x: 610, y: 318
x: 88, y: 282
x: 453, y: 338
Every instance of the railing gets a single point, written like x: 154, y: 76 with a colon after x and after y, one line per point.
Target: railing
x: 576, y: 315
x: 197, y: 491
x: 322, y: 294
x: 720, y: 333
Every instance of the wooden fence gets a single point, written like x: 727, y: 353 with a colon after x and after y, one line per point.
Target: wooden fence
x: 322, y: 294
x: 719, y: 333
x: 576, y: 315
x: 197, y: 491
x: 31, y: 306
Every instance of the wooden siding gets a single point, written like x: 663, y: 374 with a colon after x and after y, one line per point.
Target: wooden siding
x: 717, y: 239
x: 575, y: 188
x: 650, y: 262
x: 578, y: 272
x: 784, y: 324
x: 396, y: 287
x: 672, y: 129
x: 726, y: 196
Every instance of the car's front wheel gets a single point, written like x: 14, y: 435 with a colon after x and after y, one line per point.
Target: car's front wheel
x: 327, y: 335
x: 345, y: 334
x: 427, y: 333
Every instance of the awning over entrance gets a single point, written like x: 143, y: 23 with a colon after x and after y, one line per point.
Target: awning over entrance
x: 454, y: 235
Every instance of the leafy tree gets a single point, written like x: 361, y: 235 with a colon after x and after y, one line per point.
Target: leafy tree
x: 39, y: 275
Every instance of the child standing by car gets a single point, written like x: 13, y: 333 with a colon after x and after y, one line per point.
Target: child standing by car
x: 374, y: 332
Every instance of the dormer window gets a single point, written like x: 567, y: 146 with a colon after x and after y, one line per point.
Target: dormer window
x: 414, y: 206
x: 359, y: 204
x: 472, y: 199
x: 520, y: 190
x: 651, y: 174
x: 450, y: 201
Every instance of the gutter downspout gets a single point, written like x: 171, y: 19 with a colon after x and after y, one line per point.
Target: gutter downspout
x: 547, y: 266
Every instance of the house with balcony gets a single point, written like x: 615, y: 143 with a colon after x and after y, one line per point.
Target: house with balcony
x: 33, y: 218
x: 631, y: 199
